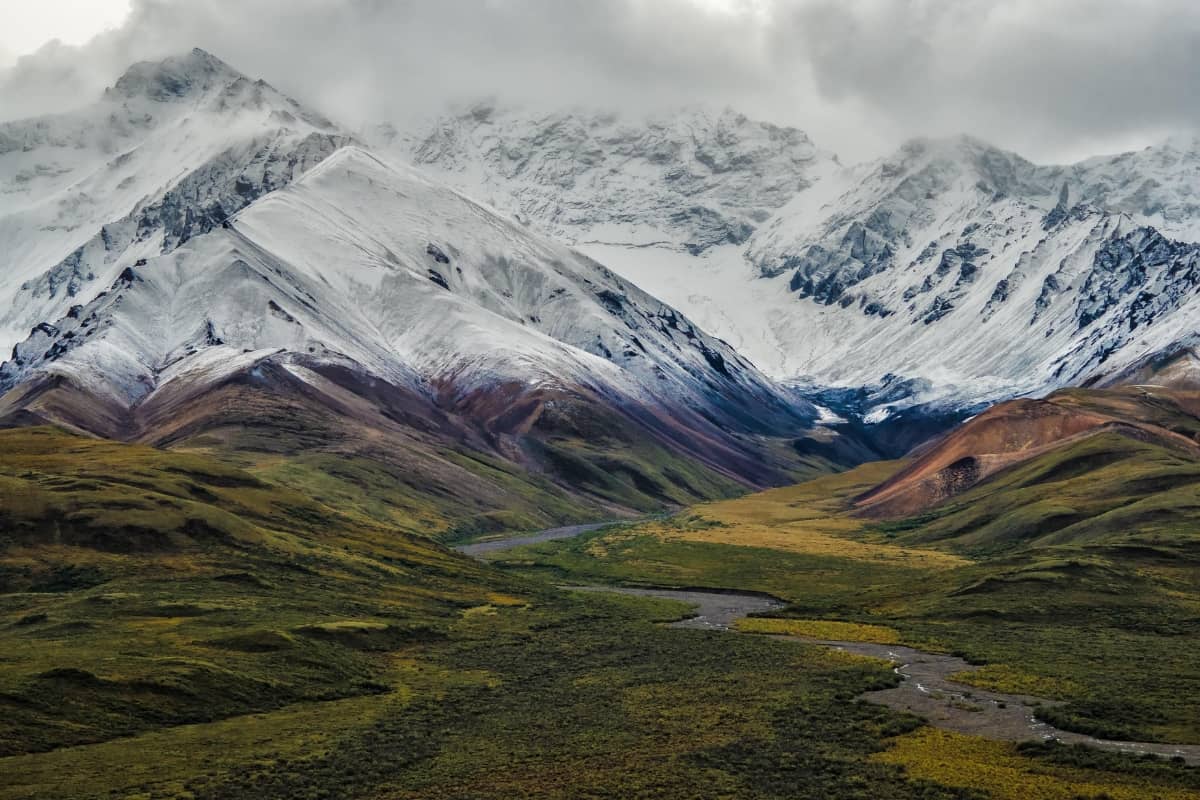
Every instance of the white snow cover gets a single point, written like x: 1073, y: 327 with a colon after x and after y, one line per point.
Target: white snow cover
x: 375, y: 266
x: 693, y: 178
x: 194, y: 221
x: 82, y: 194
x: 951, y: 262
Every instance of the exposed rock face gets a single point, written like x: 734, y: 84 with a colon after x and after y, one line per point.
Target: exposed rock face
x: 969, y: 268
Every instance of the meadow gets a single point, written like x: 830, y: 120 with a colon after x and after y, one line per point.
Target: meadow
x: 1102, y: 614
x: 174, y: 626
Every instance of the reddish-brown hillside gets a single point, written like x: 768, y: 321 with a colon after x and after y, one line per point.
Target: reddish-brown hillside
x: 1018, y: 430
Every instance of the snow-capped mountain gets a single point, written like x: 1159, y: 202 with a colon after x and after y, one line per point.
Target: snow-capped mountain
x: 1156, y: 185
x: 169, y: 152
x: 195, y: 227
x: 692, y: 180
x: 230, y: 235
x: 952, y: 268
x: 376, y: 265
x: 972, y: 268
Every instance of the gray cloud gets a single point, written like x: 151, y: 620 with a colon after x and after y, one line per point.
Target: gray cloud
x: 1061, y: 77
x: 1052, y: 80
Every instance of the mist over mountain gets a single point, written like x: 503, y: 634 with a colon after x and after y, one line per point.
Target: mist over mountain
x: 961, y: 271
x: 859, y: 77
x: 649, y: 399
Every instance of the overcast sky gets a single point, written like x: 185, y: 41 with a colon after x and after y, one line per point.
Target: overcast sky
x: 1053, y: 79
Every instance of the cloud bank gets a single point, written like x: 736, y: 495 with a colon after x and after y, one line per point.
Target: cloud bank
x: 1055, y: 81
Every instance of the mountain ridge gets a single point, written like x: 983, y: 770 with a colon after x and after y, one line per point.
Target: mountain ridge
x: 951, y: 264
x: 395, y: 319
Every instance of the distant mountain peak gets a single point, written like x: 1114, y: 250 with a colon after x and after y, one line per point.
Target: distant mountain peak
x: 692, y: 178
x: 1182, y: 143
x: 175, y: 77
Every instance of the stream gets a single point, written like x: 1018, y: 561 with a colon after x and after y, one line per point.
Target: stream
x: 926, y: 689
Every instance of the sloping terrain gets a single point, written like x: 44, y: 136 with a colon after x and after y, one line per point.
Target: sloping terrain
x: 956, y: 269
x: 281, y: 290
x: 108, y: 551
x: 169, y: 152
x: 1069, y: 574
x: 1023, y: 430
x: 691, y: 180
x: 173, y: 627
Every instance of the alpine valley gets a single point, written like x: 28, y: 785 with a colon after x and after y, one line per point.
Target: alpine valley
x: 369, y: 462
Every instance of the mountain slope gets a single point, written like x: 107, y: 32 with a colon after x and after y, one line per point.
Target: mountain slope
x: 691, y: 181
x: 964, y: 272
x: 972, y: 268
x: 359, y: 309
x: 170, y: 151
x: 107, y: 547
x: 364, y: 263
x: 1016, y: 447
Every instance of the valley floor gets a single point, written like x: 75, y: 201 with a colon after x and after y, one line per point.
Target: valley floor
x: 932, y: 684
x: 285, y: 651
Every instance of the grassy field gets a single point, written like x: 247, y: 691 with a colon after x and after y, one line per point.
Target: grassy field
x: 579, y: 697
x: 171, y: 626
x: 1103, y: 614
x: 1031, y: 772
x: 175, y: 627
x: 141, y: 589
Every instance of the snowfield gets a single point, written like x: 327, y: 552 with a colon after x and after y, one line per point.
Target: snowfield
x: 952, y: 264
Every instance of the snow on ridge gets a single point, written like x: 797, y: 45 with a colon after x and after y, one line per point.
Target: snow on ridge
x: 379, y: 267
x: 161, y: 156
x: 953, y: 263
x: 693, y: 179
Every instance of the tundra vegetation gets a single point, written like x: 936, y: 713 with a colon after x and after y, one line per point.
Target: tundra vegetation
x: 177, y: 627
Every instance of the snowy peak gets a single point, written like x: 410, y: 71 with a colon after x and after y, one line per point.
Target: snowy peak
x: 200, y: 79
x: 376, y: 267
x: 177, y: 77
x: 691, y: 180
x: 895, y: 211
x: 1156, y: 185
x: 965, y: 161
x: 970, y: 268
x: 173, y: 151
x: 951, y: 265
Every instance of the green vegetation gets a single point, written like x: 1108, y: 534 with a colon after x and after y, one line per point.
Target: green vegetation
x: 1036, y: 772
x: 1107, y: 490
x: 1077, y: 573
x: 141, y: 589
x: 820, y: 629
x: 580, y: 697
x: 175, y: 627
x: 270, y: 625
x: 578, y: 462
x: 374, y: 490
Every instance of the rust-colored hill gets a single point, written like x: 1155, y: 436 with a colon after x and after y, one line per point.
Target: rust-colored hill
x: 1018, y: 430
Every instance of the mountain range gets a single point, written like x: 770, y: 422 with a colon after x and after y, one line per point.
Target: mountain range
x: 277, y: 389
x: 196, y: 260
x: 949, y: 271
x: 196, y: 257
